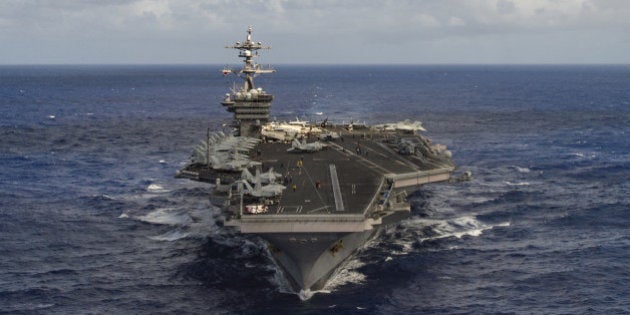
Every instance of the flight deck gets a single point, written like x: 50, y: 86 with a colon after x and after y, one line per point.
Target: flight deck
x: 346, y: 177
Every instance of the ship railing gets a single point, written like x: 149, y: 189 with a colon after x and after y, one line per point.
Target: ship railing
x: 256, y: 99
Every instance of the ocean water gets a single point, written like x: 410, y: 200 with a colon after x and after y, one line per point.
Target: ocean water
x: 93, y: 221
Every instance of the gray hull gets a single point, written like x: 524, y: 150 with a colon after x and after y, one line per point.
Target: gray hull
x: 309, y: 259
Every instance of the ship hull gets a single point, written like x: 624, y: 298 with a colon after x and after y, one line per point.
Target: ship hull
x: 308, y: 260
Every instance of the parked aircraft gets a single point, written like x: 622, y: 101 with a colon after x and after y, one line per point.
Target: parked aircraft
x: 298, y: 146
x: 259, y: 190
x: 405, y: 125
x: 267, y: 177
x: 236, y: 165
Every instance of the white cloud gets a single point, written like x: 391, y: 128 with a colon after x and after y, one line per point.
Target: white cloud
x: 325, y: 30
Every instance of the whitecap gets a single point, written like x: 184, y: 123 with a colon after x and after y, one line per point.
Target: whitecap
x: 278, y: 278
x: 123, y: 216
x: 170, y: 236
x: 517, y: 183
x: 345, y: 274
x: 51, y: 117
x: 455, y: 227
x: 156, y: 188
x: 166, y: 216
x: 478, y: 199
x: 522, y: 169
x: 308, y: 294
x: 477, y: 228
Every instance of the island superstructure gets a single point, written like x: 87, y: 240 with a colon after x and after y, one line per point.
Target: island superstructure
x: 314, y: 192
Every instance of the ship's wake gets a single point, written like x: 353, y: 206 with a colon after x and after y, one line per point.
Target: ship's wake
x: 347, y: 273
x: 456, y: 227
x: 411, y: 233
x: 184, y: 208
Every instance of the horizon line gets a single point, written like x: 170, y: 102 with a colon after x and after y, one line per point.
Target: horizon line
x: 317, y: 64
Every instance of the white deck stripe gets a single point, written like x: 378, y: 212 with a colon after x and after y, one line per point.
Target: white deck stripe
x: 336, y: 188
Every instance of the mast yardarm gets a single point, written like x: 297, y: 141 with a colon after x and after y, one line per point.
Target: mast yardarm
x: 248, y: 51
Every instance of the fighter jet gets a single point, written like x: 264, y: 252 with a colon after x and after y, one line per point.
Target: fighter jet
x: 405, y: 125
x: 259, y: 190
x: 225, y: 152
x: 234, y: 165
x: 243, y: 144
x: 265, y: 178
x: 298, y: 146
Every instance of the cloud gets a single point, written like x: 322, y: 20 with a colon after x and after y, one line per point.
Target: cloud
x: 325, y: 30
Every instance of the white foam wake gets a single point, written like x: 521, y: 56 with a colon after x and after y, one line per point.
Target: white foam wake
x: 517, y: 183
x: 522, y: 169
x: 170, y: 236
x: 417, y: 230
x: 308, y: 294
x: 345, y: 274
x: 156, y: 188
x: 168, y: 216
x: 459, y: 227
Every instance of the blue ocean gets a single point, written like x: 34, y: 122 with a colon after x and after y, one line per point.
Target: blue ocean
x: 92, y: 220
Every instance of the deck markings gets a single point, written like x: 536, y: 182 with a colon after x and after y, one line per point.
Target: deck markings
x: 310, y: 179
x: 359, y: 158
x: 336, y: 188
x: 319, y: 209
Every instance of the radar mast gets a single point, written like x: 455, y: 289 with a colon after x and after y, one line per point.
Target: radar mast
x: 250, y: 105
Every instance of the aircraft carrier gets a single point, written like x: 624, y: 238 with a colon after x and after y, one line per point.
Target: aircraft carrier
x: 315, y: 192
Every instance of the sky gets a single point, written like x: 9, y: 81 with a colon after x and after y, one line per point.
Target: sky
x: 316, y: 31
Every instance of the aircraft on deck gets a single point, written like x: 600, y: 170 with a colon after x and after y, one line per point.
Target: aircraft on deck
x: 405, y: 125
x: 267, y: 177
x: 223, y: 152
x: 236, y: 164
x: 259, y: 190
x: 298, y: 146
x: 287, y: 131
